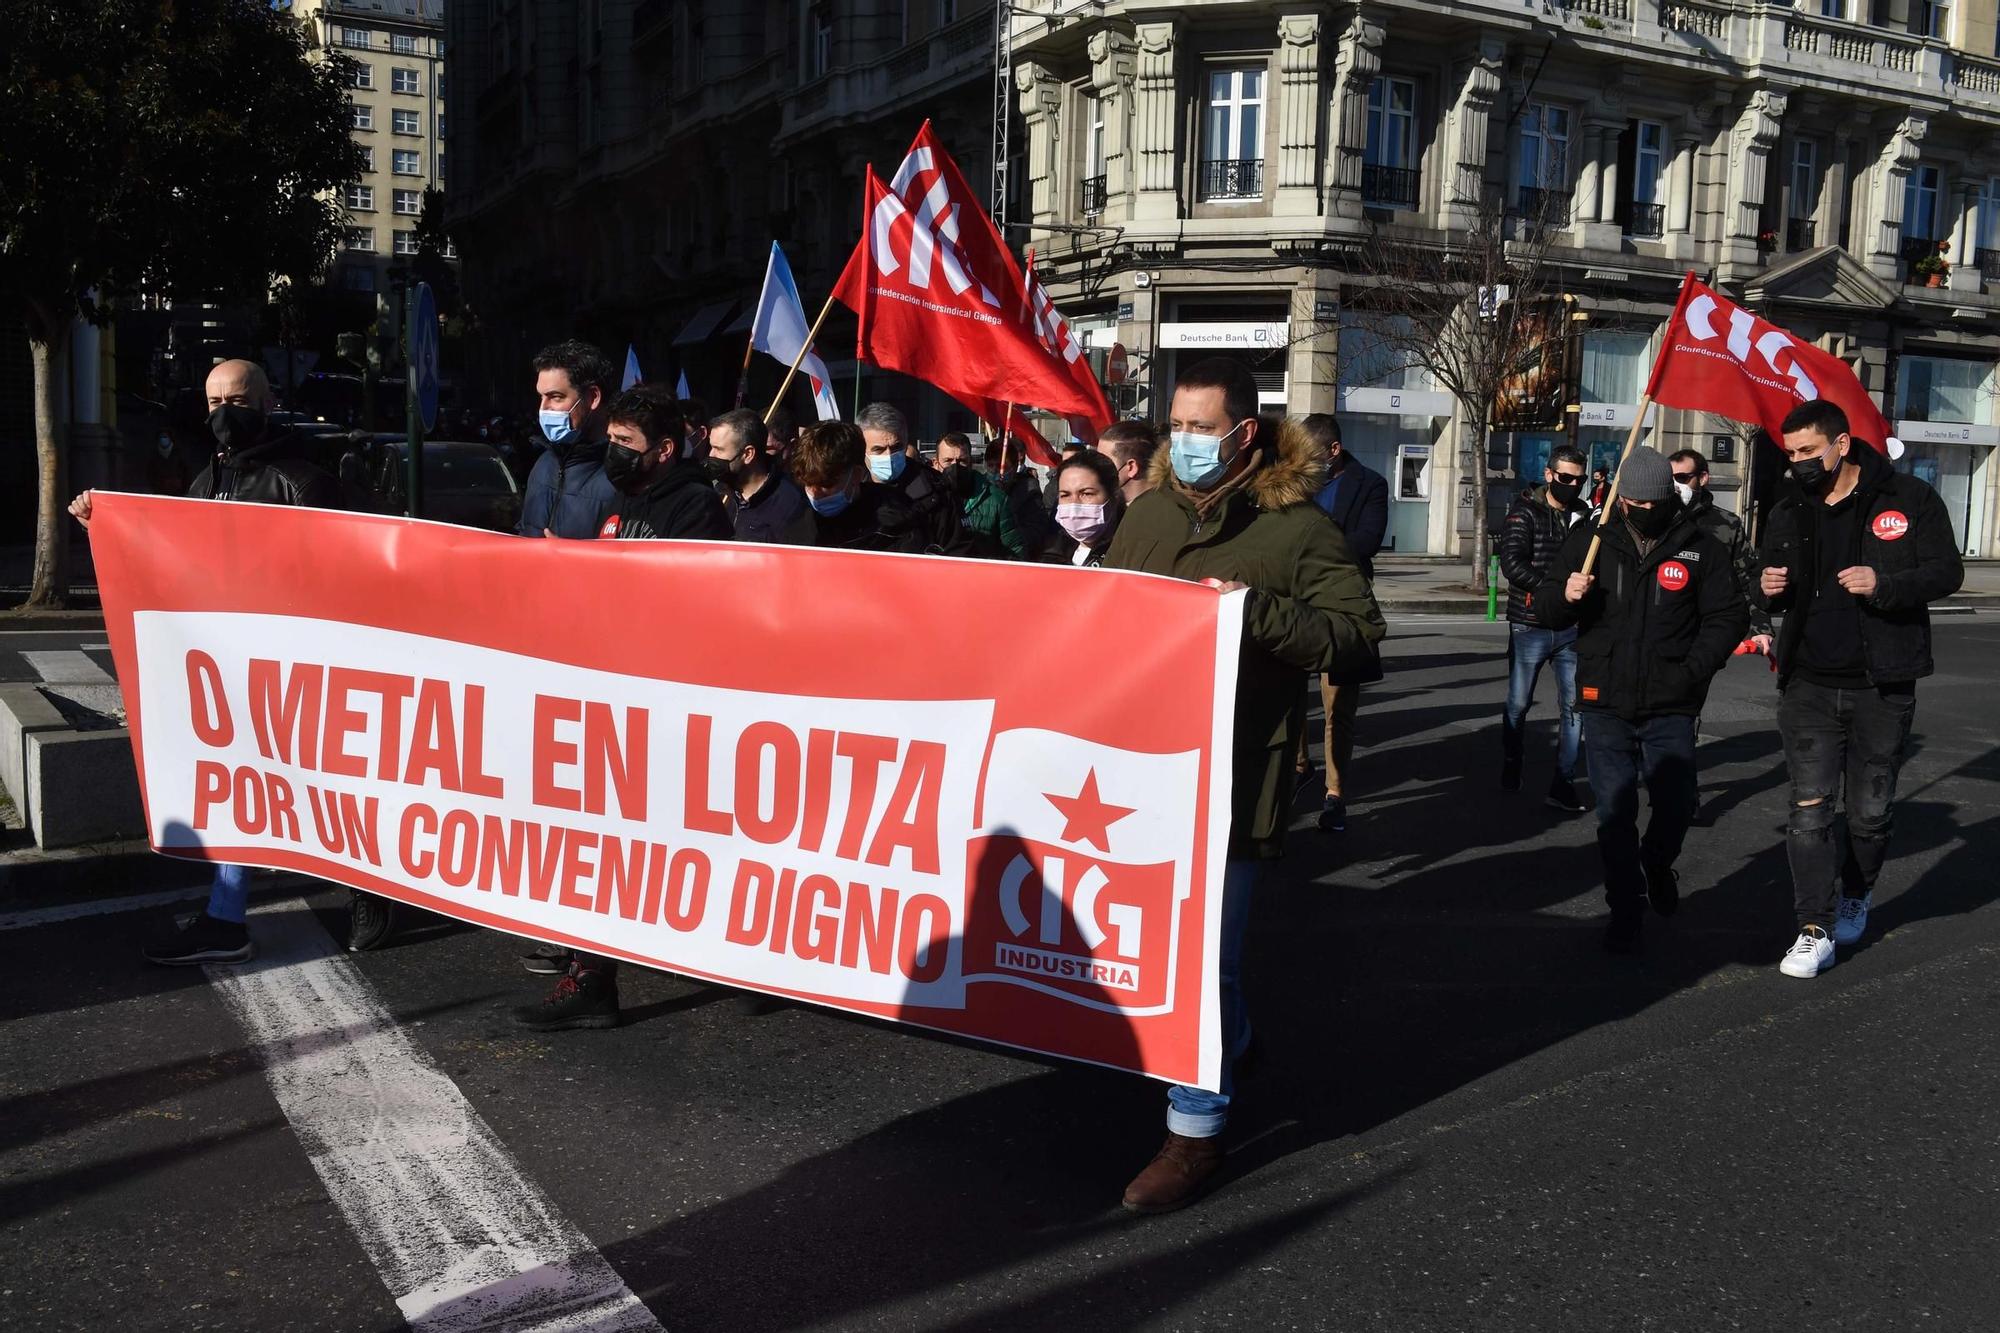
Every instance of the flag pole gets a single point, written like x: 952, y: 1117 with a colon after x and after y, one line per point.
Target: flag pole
x: 1611, y: 496
x: 743, y: 376
x: 812, y: 336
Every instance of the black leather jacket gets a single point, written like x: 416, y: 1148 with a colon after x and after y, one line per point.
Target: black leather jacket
x: 275, y: 471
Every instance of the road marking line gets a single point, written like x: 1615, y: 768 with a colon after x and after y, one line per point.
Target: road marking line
x: 461, y: 1237
x: 68, y: 667
x: 94, y: 647
x: 48, y: 916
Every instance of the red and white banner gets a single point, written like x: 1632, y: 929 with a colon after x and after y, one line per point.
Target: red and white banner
x: 1718, y: 357
x: 844, y: 789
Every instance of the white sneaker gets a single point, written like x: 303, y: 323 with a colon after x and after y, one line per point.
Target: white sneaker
x: 1810, y: 954
x: 1853, y: 919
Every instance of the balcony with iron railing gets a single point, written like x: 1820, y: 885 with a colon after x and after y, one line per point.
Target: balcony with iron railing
x: 1649, y: 222
x: 1799, y: 233
x: 1989, y: 264
x: 1389, y: 187
x: 1090, y: 196
x: 1915, y: 251
x: 1543, y: 208
x: 1226, y: 178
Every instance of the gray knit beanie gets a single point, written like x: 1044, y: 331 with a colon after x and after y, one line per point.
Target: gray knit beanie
x: 1645, y: 476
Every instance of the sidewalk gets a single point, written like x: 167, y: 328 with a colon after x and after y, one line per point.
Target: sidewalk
x: 1437, y: 585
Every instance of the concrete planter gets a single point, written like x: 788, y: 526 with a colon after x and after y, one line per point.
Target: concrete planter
x: 71, y: 783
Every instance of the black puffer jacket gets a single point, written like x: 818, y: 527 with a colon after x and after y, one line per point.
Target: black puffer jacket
x: 1906, y: 538
x: 1726, y: 528
x: 678, y: 502
x: 883, y: 518
x: 277, y: 471
x: 1655, y: 629
x: 1530, y: 536
x: 920, y: 494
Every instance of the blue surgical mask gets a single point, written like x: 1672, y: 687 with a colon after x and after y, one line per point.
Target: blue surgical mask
x: 887, y: 467
x: 1197, y: 459
x: 826, y: 506
x: 555, y: 425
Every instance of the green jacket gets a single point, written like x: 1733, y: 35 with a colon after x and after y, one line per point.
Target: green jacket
x: 989, y: 520
x: 1309, y: 609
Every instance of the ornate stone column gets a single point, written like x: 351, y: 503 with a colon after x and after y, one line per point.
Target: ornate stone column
x: 1041, y: 110
x: 1892, y: 171
x: 1358, y: 62
x: 1112, y: 66
x: 1680, y: 196
x: 1299, y: 60
x: 1589, y: 176
x: 1750, y: 142
x: 1471, y: 120
x: 1155, y: 120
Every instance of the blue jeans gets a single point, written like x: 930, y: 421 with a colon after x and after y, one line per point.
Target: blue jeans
x: 1661, y: 751
x: 229, y: 899
x: 1191, y: 1111
x: 1528, y: 647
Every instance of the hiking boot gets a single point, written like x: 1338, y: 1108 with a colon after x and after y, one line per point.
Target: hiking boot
x: 580, y: 1000
x: 1663, y: 887
x: 1333, y: 816
x: 370, y: 919
x: 201, y: 939
x: 1176, y: 1175
x: 547, y: 960
x: 1562, y: 795
x: 1510, y: 775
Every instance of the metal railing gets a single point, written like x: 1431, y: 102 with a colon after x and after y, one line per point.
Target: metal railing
x: 1914, y: 248
x: 1799, y: 233
x: 1233, y: 178
x: 1989, y: 264
x: 1394, y: 187
x: 1549, y: 208
x: 1649, y: 221
x: 1090, y: 196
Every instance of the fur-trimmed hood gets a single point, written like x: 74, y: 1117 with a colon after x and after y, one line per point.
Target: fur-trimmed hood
x: 1292, y: 473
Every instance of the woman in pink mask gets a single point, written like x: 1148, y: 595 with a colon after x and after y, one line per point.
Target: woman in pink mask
x: 1088, y: 507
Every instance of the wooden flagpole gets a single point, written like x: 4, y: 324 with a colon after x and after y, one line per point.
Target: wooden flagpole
x: 812, y: 336
x: 743, y: 376
x: 1611, y: 496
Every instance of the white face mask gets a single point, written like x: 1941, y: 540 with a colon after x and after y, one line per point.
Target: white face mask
x: 1084, y: 523
x: 1686, y: 491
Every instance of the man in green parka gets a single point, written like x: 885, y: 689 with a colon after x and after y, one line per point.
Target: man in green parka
x: 1232, y: 502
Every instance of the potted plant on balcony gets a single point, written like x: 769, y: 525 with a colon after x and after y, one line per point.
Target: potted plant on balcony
x: 1767, y: 240
x: 1933, y: 266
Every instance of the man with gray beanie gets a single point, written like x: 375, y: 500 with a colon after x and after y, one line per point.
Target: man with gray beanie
x: 1658, y: 615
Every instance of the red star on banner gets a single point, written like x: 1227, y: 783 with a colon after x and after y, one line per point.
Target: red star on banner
x: 1087, y: 816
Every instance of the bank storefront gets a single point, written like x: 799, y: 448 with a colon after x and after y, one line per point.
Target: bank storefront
x: 1393, y: 421
x: 1945, y: 418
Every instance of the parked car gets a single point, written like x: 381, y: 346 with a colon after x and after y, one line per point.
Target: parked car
x: 465, y: 482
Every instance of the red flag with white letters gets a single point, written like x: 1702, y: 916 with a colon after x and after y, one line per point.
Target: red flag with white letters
x: 1718, y: 357
x: 941, y: 298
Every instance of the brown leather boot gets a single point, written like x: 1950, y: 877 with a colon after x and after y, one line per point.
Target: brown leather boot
x: 1176, y: 1176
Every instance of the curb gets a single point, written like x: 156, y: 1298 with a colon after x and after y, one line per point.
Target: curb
x: 101, y: 870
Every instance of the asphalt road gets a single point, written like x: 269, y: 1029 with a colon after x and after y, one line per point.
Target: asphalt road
x: 1467, y: 1116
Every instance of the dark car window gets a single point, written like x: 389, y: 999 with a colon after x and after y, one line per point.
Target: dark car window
x: 465, y: 470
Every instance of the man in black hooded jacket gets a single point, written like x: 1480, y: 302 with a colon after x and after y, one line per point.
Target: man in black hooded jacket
x: 1854, y: 554
x: 1657, y: 618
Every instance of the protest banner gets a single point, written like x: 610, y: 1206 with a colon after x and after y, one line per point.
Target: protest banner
x: 835, y: 776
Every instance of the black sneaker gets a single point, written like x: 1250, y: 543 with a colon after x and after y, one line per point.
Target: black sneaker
x: 1663, y: 888
x: 1333, y: 816
x: 1562, y: 795
x: 201, y: 939
x: 580, y: 1000
x: 1510, y: 775
x: 1622, y: 934
x: 370, y: 919
x: 547, y: 960
x: 1302, y: 780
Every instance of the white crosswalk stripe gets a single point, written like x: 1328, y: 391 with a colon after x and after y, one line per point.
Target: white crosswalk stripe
x: 68, y: 667
x: 461, y: 1237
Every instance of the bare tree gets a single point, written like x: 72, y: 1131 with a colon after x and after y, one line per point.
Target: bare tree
x: 1476, y: 306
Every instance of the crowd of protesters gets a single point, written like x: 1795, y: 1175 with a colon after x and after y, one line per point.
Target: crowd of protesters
x: 1635, y: 587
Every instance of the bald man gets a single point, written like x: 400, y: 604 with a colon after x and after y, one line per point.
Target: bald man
x: 256, y: 464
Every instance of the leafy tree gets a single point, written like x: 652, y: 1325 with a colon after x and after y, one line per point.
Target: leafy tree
x: 175, y: 146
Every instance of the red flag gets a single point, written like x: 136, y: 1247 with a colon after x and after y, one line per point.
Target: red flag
x: 1019, y: 429
x: 941, y: 298
x: 1718, y: 357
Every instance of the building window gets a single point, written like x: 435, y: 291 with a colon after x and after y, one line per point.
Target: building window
x: 406, y: 242
x: 440, y: 132
x: 1092, y: 201
x: 361, y: 197
x: 408, y: 162
x: 1936, y: 20
x: 1389, y: 158
x: 402, y: 80
x: 406, y: 122
x: 1544, y: 175
x: 362, y: 239
x: 410, y: 202
x: 368, y: 159
x: 1920, y: 212
x: 1988, y: 257
x: 1937, y: 388
x: 354, y: 38
x: 1833, y: 9
x: 819, y: 38
x: 402, y: 44
x: 1232, y: 157
x: 364, y: 116
x: 947, y: 12
x: 1804, y: 190
x: 361, y: 76
x: 1649, y: 169
x: 355, y: 278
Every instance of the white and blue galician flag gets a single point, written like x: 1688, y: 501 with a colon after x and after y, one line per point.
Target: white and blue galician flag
x: 681, y: 390
x: 780, y: 331
x: 632, y: 375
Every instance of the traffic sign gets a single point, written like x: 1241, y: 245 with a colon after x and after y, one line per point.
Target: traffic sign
x: 424, y: 354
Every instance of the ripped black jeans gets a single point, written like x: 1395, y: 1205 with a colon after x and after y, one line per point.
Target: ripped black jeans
x: 1835, y: 740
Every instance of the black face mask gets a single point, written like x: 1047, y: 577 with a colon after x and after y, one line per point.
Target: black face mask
x: 236, y: 427
x: 717, y: 469
x: 1566, y: 489
x: 958, y: 481
x: 1812, y: 475
x: 1653, y: 523
x: 626, y: 468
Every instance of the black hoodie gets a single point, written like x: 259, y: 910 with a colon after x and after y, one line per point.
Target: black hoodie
x: 1905, y: 537
x: 274, y: 471
x: 677, y: 502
